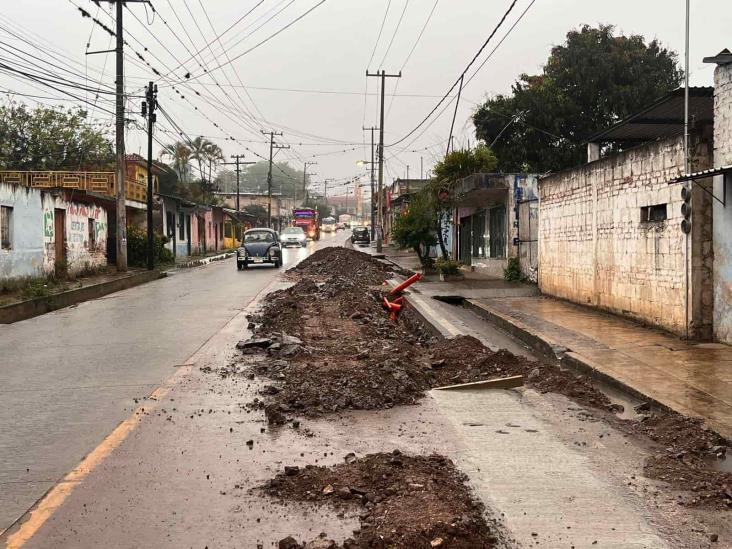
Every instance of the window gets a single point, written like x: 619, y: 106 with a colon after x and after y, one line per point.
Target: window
x: 170, y: 224
x: 92, y: 234
x: 181, y: 226
x: 6, y: 225
x: 653, y: 214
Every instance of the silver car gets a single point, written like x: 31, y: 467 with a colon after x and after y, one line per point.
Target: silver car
x: 293, y: 236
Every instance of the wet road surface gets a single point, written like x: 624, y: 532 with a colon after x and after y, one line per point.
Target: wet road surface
x: 68, y: 378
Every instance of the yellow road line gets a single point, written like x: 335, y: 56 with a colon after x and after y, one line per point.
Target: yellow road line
x: 58, y: 494
x: 39, y: 514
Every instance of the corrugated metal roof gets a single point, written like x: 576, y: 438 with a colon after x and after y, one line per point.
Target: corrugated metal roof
x: 664, y: 118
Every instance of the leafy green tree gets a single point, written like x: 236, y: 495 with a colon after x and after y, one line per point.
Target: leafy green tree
x: 259, y: 213
x: 49, y: 138
x: 440, y: 194
x: 179, y: 154
x: 591, y: 81
x: 414, y: 228
x: 285, y: 179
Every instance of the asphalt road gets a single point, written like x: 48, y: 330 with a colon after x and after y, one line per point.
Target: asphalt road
x: 69, y: 377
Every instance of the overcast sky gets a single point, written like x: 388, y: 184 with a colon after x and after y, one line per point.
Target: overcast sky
x: 328, y: 50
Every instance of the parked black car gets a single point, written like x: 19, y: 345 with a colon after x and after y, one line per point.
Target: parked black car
x: 260, y: 246
x: 360, y: 235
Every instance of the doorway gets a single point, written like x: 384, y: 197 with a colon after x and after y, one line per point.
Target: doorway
x: 59, y: 230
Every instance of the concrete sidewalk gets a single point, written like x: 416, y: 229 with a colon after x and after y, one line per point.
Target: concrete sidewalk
x: 690, y: 378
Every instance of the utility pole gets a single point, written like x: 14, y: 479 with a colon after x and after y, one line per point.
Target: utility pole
x: 121, y: 167
x: 272, y: 146
x: 237, y: 163
x: 373, y: 183
x: 380, y: 231
x: 305, y: 178
x: 407, y: 171
x: 421, y: 167
x: 148, y: 110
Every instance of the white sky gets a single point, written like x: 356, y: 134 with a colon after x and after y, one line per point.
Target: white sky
x: 328, y: 50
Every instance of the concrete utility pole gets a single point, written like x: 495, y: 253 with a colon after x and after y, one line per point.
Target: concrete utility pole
x: 272, y: 146
x: 237, y: 163
x: 380, y: 231
x: 373, y: 183
x: 121, y: 166
x: 148, y: 109
x: 305, y: 178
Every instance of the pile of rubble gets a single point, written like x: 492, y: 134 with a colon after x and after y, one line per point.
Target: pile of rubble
x: 400, y: 500
x: 328, y: 346
x: 688, y: 453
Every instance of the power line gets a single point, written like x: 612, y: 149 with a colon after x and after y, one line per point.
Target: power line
x: 261, y: 43
x: 489, y: 56
x: 459, y: 78
x: 393, y: 36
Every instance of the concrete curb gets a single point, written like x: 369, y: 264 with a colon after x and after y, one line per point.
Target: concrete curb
x: 41, y: 305
x: 566, y: 357
x: 204, y: 260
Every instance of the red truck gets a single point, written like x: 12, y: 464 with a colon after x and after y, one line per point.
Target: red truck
x: 307, y: 218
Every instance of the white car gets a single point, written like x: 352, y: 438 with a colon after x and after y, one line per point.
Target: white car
x: 293, y: 236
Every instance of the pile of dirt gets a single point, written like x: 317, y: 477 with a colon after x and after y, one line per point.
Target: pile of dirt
x: 402, y: 501
x: 466, y: 360
x: 344, y: 263
x: 349, y: 355
x: 685, y: 461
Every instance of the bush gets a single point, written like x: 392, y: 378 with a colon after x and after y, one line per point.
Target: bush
x: 513, y: 273
x: 448, y: 266
x: 35, y: 289
x: 137, y: 247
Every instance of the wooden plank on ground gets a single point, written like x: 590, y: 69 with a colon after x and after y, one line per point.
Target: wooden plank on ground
x: 499, y: 383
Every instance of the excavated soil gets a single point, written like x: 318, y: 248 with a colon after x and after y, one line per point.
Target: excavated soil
x: 687, y: 449
x: 351, y: 356
x: 402, y: 501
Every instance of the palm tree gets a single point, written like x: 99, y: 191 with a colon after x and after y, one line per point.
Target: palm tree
x: 214, y: 155
x: 180, y: 154
x: 199, y: 152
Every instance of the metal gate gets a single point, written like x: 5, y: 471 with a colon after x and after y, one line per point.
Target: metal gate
x: 497, y: 228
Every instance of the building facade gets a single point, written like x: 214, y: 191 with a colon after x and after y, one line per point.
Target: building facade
x: 43, y: 231
x: 495, y: 219
x: 610, y: 232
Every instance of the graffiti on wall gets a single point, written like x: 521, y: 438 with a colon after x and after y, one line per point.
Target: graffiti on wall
x: 48, y: 224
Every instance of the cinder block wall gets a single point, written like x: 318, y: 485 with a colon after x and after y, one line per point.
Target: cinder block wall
x: 593, y: 247
x: 723, y: 215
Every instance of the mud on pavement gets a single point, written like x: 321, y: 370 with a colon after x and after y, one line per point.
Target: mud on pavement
x: 325, y: 345
x: 401, y: 501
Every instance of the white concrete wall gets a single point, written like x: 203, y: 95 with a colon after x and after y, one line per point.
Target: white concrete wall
x: 33, y: 230
x: 80, y: 255
x: 26, y: 258
x: 593, y: 248
x: 723, y: 214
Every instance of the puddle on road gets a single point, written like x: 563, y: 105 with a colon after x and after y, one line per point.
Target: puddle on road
x: 723, y: 465
x: 616, y: 396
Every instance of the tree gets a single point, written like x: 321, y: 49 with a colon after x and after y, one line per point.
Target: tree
x: 285, y: 179
x: 259, y: 213
x: 200, y: 148
x: 414, y: 227
x: 591, y: 81
x: 180, y: 155
x: 440, y: 194
x: 214, y: 155
x: 49, y: 138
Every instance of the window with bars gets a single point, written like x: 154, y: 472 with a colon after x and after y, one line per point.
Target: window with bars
x: 6, y: 227
x: 653, y: 214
